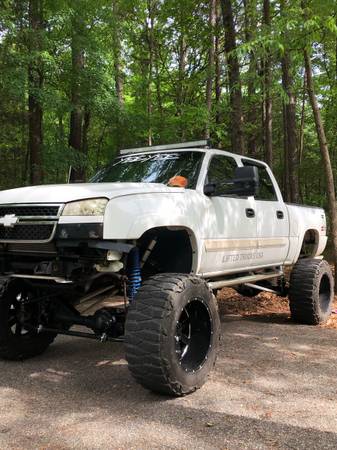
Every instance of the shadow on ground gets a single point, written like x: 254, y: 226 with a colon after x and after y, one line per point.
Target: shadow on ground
x: 274, y: 386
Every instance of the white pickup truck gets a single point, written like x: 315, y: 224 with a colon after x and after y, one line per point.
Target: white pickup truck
x: 159, y: 229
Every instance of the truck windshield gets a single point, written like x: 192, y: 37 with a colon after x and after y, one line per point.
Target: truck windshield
x: 153, y: 168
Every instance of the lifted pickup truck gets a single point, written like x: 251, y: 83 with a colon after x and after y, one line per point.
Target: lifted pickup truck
x: 159, y: 229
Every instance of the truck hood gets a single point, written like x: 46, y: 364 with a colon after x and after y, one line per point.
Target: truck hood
x: 63, y: 193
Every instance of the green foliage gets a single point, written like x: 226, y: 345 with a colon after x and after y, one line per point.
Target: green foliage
x: 161, y: 100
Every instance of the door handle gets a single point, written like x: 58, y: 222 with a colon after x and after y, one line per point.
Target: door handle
x: 250, y: 212
x: 279, y: 214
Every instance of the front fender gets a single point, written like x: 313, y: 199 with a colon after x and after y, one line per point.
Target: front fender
x: 130, y: 216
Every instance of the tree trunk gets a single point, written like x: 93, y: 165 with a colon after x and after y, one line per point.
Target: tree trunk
x: 150, y: 41
x: 252, y: 113
x: 290, y: 125
x: 236, y: 125
x: 268, y: 106
x: 158, y: 86
x: 210, y: 68
x: 180, y: 84
x: 323, y: 145
x: 290, y: 121
x: 119, y: 84
x: 77, y: 112
x: 217, y: 65
x: 286, y: 186
x: 35, y: 85
x: 301, y: 138
x: 333, y: 147
x: 86, y: 124
x: 116, y: 47
x: 118, y: 71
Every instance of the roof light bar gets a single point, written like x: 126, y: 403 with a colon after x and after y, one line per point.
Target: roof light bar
x: 193, y: 144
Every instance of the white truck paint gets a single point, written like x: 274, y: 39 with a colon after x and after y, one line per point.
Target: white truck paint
x: 159, y: 250
x: 224, y: 239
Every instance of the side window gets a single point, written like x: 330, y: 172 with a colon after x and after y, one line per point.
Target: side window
x: 266, y: 188
x: 220, y: 170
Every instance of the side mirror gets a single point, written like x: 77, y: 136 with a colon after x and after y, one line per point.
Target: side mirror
x: 245, y: 181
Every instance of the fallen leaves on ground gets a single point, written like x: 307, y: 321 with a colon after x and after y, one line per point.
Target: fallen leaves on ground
x: 230, y: 302
x: 264, y: 304
x: 332, y: 322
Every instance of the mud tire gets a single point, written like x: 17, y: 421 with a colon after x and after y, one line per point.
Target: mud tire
x: 155, y: 342
x: 311, y: 291
x: 18, y: 346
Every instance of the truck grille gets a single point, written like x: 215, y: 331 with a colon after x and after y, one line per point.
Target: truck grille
x: 27, y: 233
x: 34, y: 223
x: 30, y: 210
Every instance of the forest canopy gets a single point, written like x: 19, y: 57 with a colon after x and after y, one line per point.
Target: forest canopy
x: 80, y: 80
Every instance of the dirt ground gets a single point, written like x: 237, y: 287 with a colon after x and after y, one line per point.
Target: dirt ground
x: 274, y: 387
x: 264, y: 304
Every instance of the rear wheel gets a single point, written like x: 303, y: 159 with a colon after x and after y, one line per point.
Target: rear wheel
x: 311, y: 291
x: 19, y: 319
x: 172, y: 334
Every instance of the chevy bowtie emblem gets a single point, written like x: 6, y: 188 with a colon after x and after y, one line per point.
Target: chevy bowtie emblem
x: 9, y: 220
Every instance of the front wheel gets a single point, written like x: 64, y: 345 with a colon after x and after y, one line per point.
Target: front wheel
x: 172, y: 334
x: 19, y: 319
x: 311, y: 291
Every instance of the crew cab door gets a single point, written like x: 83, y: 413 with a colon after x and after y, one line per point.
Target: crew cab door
x: 229, y: 223
x: 272, y: 218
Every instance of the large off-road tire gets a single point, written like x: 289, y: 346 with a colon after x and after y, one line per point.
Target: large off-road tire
x: 17, y: 340
x: 172, y: 334
x: 311, y: 291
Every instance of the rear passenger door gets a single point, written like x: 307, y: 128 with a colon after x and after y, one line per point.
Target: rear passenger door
x: 272, y: 218
x: 230, y: 242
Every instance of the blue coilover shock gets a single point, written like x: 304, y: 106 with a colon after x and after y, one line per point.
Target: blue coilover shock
x: 134, y: 273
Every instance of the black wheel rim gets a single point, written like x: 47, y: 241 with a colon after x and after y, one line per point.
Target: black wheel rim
x: 193, y: 337
x: 325, y: 293
x: 22, y: 314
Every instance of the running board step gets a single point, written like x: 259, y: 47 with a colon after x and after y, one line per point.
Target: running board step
x: 242, y: 280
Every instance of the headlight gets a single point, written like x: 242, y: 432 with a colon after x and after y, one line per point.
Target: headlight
x: 92, y: 207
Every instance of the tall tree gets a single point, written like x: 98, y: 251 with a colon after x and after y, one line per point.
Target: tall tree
x: 149, y: 26
x: 323, y: 145
x: 235, y: 95
x: 252, y: 102
x: 181, y: 80
x: 218, y: 71
x: 116, y: 48
x: 35, y: 85
x: 77, y: 107
x: 290, y: 120
x: 210, y: 66
x: 268, y: 105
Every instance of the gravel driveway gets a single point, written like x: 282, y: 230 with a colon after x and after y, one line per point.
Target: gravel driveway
x: 274, y: 386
